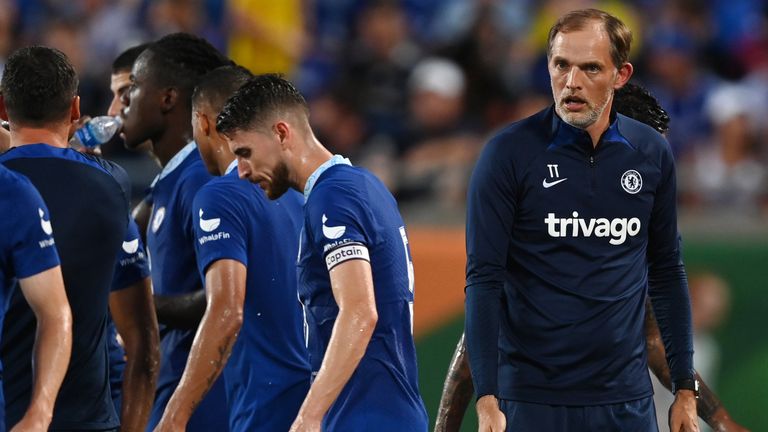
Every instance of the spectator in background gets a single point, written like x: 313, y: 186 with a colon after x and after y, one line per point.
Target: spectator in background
x: 728, y: 173
x: 710, y: 302
x: 266, y: 35
x: 441, y: 143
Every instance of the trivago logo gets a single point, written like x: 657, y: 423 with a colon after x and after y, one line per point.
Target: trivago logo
x: 617, y: 229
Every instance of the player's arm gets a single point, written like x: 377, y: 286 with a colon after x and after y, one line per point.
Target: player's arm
x: 182, y: 311
x: 457, y: 391
x: 352, y: 286
x: 225, y: 287
x: 709, y: 407
x: 133, y: 312
x: 53, y: 344
x: 141, y: 214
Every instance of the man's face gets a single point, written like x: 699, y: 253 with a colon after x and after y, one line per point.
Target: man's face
x: 259, y: 160
x: 143, y: 113
x: 119, y: 83
x: 583, y: 75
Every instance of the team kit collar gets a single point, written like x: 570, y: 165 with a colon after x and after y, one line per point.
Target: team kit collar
x: 232, y: 166
x: 175, y: 161
x: 335, y: 160
x: 563, y: 133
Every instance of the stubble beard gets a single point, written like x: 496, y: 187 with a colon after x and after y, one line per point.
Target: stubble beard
x: 280, y: 183
x: 588, y: 118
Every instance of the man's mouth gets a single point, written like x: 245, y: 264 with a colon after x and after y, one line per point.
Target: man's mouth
x: 574, y: 103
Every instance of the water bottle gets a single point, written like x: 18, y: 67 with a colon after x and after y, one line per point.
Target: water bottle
x: 97, y: 131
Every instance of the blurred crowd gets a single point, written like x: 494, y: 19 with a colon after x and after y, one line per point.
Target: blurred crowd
x: 412, y: 88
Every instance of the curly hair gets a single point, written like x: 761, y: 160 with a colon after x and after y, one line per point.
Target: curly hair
x: 636, y: 102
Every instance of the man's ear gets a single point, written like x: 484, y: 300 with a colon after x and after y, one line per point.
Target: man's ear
x: 3, y: 111
x: 283, y: 131
x: 74, y: 111
x: 169, y: 99
x: 202, y: 122
x: 625, y: 73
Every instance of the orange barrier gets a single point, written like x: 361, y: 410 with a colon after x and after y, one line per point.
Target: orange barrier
x: 438, y: 260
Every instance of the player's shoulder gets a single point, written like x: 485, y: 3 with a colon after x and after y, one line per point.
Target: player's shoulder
x: 223, y: 190
x: 341, y: 183
x: 16, y: 188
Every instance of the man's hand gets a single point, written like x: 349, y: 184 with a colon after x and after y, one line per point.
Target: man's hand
x: 489, y: 416
x: 682, y: 413
x: 32, y: 423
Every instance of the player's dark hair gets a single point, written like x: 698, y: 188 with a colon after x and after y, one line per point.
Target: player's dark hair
x: 38, y: 86
x: 125, y: 60
x: 218, y: 85
x: 257, y: 101
x: 618, y: 33
x: 636, y: 102
x: 181, y: 59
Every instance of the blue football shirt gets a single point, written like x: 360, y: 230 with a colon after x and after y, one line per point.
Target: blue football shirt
x: 349, y: 214
x: 268, y: 374
x: 131, y: 267
x: 170, y: 238
x: 88, y: 202
x: 26, y: 241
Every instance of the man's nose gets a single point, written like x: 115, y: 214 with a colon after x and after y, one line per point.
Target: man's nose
x: 243, y: 169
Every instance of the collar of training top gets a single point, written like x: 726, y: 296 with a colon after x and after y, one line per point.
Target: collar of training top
x: 563, y: 133
x: 335, y: 160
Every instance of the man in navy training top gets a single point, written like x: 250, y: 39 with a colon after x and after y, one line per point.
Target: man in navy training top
x: 635, y: 102
x: 88, y: 202
x: 27, y: 253
x: 246, y: 250
x: 355, y: 269
x: 571, y: 221
x: 158, y: 108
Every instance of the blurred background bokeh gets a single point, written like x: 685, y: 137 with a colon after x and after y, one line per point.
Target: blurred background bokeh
x: 412, y: 88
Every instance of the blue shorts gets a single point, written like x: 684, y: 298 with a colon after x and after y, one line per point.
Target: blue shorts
x: 633, y: 416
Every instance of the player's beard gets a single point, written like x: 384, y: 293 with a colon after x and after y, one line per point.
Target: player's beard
x: 280, y: 183
x: 583, y: 120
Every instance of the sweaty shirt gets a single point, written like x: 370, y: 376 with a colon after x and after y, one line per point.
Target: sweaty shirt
x: 349, y: 214
x: 267, y: 375
x: 88, y: 202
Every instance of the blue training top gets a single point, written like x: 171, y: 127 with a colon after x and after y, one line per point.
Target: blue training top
x: 88, y: 202
x: 563, y: 243
x: 267, y: 375
x: 26, y: 241
x: 350, y: 214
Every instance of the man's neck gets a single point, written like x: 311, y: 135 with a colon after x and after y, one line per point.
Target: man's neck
x: 167, y: 147
x: 307, y: 163
x: 55, y: 136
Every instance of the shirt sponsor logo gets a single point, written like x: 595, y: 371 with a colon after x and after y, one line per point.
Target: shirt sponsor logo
x: 333, y: 232
x: 130, y: 247
x: 46, y: 243
x: 213, y: 237
x: 345, y: 253
x: 158, y: 219
x: 208, y: 225
x: 125, y: 262
x: 631, y: 181
x: 617, y: 229
x: 45, y: 224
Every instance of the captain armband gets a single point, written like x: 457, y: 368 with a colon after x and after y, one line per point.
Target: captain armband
x: 349, y: 251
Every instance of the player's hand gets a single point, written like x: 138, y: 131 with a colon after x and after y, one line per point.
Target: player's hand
x: 96, y: 151
x: 682, y: 413
x: 489, y: 416
x: 305, y: 423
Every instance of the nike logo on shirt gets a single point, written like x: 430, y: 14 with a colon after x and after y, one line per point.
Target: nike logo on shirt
x: 547, y: 184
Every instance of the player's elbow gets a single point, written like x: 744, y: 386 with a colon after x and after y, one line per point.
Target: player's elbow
x: 367, y: 318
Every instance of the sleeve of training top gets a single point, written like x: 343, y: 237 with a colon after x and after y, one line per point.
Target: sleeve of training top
x: 220, y: 229
x: 491, y: 206
x: 667, y: 282
x: 132, y: 265
x: 29, y: 232
x: 337, y: 220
